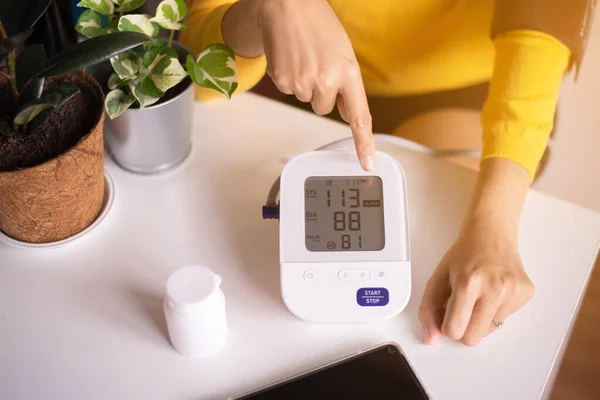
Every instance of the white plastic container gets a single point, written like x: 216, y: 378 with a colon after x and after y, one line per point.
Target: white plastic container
x: 195, y: 311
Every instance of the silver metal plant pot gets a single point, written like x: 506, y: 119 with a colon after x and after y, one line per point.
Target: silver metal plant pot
x: 154, y: 139
x: 157, y: 138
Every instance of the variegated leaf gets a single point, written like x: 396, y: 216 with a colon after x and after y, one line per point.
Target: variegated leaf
x: 125, y: 65
x: 116, y: 102
x: 29, y: 112
x: 128, y: 5
x: 104, y: 7
x: 55, y: 96
x: 89, y: 24
x: 153, y: 56
x: 114, y: 82
x: 163, y: 71
x: 169, y: 13
x: 214, y: 68
x: 138, y: 23
x: 142, y: 98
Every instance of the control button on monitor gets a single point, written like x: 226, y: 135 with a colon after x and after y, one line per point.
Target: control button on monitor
x: 309, y: 275
x: 381, y: 275
x: 354, y: 275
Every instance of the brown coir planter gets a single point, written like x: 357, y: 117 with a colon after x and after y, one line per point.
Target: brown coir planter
x: 52, y: 182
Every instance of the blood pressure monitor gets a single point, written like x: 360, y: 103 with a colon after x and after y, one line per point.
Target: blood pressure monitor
x: 344, y: 246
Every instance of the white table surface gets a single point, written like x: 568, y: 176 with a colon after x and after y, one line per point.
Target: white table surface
x: 85, y: 321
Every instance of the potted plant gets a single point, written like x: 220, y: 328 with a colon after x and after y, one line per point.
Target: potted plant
x: 150, y: 92
x: 51, y: 133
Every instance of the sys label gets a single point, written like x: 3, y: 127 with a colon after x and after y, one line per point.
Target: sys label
x: 372, y: 297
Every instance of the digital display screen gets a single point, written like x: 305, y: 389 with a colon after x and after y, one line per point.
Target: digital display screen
x: 344, y: 213
x: 382, y: 373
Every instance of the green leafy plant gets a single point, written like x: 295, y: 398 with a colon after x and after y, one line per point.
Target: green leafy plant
x: 143, y: 75
x: 32, y: 101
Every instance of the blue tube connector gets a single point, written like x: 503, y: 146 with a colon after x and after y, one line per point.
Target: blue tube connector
x: 270, y: 212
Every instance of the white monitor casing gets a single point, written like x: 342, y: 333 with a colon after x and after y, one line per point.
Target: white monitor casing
x: 325, y: 286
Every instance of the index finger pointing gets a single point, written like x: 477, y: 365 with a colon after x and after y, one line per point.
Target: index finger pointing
x: 359, y: 118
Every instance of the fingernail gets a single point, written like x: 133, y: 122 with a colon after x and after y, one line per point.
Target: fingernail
x: 368, y: 163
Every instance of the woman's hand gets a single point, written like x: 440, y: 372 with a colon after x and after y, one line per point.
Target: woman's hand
x: 481, y: 279
x: 308, y: 55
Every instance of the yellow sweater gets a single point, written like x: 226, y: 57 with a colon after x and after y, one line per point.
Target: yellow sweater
x: 417, y: 46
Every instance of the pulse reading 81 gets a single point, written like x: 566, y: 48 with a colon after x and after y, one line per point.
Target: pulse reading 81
x: 343, y: 221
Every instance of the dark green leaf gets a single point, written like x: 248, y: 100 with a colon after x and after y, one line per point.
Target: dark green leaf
x: 32, y: 91
x: 101, y: 72
x: 65, y: 91
x: 8, y: 45
x: 19, y: 15
x: 28, y: 62
x: 91, y: 51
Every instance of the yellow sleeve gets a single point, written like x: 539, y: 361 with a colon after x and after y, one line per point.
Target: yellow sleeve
x: 518, y: 115
x: 204, y: 27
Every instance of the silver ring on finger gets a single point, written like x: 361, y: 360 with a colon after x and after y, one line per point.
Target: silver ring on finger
x: 499, y: 324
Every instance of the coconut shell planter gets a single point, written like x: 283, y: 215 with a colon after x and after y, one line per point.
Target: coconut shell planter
x: 52, y: 182
x: 51, y: 132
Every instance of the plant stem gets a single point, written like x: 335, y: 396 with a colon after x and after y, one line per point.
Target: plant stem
x: 171, y: 35
x: 10, y: 62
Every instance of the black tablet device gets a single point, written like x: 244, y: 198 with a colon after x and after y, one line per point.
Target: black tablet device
x: 380, y: 373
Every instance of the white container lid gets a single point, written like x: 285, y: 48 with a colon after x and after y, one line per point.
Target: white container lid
x: 195, y: 311
x: 188, y: 288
